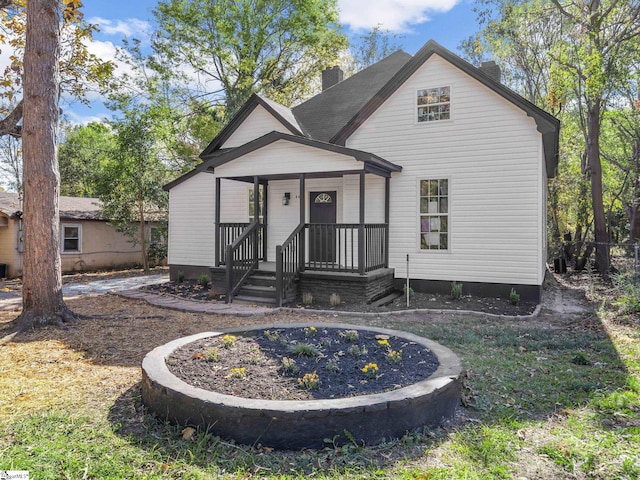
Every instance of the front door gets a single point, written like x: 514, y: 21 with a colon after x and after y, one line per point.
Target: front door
x: 322, y: 217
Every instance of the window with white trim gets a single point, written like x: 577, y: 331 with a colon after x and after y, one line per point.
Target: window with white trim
x: 434, y: 104
x: 434, y: 214
x: 71, y: 238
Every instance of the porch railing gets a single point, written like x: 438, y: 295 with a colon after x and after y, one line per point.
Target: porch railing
x: 334, y: 247
x: 241, y: 259
x: 228, y: 233
x: 288, y: 263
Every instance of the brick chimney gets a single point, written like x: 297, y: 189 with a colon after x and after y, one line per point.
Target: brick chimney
x: 331, y: 76
x: 492, y: 70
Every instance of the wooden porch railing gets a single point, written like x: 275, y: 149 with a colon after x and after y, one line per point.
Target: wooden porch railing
x: 241, y: 259
x: 289, y: 263
x: 228, y: 233
x: 335, y: 247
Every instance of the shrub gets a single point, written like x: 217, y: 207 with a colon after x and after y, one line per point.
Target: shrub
x: 333, y: 366
x: 307, y: 298
x: 628, y: 301
x: 180, y: 277
x: 456, y: 290
x: 514, y: 297
x: 334, y: 300
x: 203, y: 279
x: 355, y: 350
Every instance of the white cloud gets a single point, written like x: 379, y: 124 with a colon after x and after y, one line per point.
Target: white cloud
x: 393, y: 15
x: 79, y: 119
x: 129, y: 27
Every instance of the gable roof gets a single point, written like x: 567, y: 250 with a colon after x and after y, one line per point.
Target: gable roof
x: 71, y: 208
x: 547, y: 124
x: 279, y: 112
x: 322, y: 116
x: 372, y: 163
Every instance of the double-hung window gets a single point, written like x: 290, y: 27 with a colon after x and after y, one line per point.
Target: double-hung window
x: 434, y: 214
x: 434, y: 104
x: 71, y: 238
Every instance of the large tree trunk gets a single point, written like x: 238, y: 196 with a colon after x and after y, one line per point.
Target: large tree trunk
x: 595, y: 170
x: 42, y: 278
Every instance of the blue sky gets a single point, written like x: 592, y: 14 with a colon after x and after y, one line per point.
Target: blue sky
x: 446, y: 21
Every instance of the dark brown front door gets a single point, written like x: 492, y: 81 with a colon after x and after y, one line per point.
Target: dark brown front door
x: 322, y: 217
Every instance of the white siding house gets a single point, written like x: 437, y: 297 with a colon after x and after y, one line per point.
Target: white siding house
x: 426, y: 156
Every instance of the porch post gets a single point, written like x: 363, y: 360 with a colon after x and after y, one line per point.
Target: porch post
x: 265, y: 210
x: 302, y: 222
x: 387, y: 197
x: 256, y: 215
x: 361, y: 245
x: 216, y: 234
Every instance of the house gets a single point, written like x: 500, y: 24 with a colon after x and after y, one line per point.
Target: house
x: 421, y: 166
x: 87, y: 240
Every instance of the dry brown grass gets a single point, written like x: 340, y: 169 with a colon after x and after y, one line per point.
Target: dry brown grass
x: 97, y: 359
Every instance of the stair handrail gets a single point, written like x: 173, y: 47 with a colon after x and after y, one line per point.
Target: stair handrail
x: 238, y: 270
x: 289, y: 263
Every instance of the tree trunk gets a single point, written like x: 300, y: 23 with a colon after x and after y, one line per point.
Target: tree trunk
x: 42, y: 277
x: 595, y: 170
x: 143, y: 237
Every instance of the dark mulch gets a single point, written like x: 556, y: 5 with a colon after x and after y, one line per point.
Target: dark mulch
x: 501, y: 306
x: 338, y: 364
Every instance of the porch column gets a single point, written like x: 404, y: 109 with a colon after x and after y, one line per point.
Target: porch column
x: 217, y: 224
x: 256, y: 216
x: 361, y: 241
x: 387, y: 197
x: 302, y: 221
x: 265, y: 210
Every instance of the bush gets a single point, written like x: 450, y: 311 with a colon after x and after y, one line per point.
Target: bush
x: 628, y: 301
x: 307, y: 298
x: 334, y: 300
x: 456, y: 290
x: 514, y: 297
x: 203, y: 280
x: 181, y: 277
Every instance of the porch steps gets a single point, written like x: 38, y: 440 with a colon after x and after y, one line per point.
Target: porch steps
x: 260, y: 288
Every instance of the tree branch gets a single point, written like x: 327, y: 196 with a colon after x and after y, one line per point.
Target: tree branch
x: 5, y: 3
x: 9, y: 124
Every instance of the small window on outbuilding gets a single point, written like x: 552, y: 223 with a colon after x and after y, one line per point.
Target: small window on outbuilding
x: 71, y: 238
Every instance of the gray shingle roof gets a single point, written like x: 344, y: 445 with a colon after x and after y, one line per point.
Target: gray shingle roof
x: 325, y: 114
x: 71, y: 208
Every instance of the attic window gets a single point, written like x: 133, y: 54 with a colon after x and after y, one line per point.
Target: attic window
x: 434, y: 104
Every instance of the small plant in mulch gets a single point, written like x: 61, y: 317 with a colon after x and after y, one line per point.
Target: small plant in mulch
x: 310, y: 331
x: 350, y: 335
x: 394, y: 356
x: 271, y: 335
x: 309, y: 381
x: 333, y: 365
x: 228, y: 341
x: 514, y: 297
x: 203, y: 280
x: 304, y: 350
x: 307, y: 298
x: 357, y: 350
x: 212, y: 355
x: 383, y: 342
x: 238, y: 373
x: 253, y: 358
x: 456, y: 290
x: 289, y: 366
x: 181, y: 277
x: 334, y: 300
x: 370, y: 370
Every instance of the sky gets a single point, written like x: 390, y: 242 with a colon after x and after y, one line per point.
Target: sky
x: 448, y: 22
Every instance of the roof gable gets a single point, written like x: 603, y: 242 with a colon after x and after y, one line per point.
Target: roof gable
x: 324, y: 114
x: 281, y: 113
x: 547, y: 124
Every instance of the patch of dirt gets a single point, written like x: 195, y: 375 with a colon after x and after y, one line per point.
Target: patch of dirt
x: 191, y: 290
x: 273, y: 365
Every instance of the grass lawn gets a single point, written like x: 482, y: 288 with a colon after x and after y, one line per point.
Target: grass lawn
x: 552, y: 398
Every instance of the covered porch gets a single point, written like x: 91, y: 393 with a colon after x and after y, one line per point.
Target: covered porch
x: 324, y: 225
